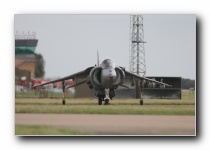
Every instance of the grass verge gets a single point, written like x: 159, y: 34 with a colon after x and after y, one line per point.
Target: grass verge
x: 185, y: 106
x: 46, y: 130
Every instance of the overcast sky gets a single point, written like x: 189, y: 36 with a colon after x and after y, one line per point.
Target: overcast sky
x: 69, y: 43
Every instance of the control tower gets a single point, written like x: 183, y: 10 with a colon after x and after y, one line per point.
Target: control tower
x: 25, y: 46
x: 26, y: 41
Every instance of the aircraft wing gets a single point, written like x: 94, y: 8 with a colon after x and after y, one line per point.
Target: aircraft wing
x: 133, y: 76
x: 78, y: 75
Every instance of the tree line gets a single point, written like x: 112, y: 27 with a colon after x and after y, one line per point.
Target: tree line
x: 188, y: 83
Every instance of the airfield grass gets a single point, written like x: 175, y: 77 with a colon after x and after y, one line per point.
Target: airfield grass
x: 46, y: 130
x: 185, y: 106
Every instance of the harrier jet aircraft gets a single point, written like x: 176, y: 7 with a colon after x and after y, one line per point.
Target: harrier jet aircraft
x: 104, y: 79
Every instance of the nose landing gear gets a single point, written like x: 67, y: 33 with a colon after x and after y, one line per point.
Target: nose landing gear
x: 107, y: 98
x: 104, y: 98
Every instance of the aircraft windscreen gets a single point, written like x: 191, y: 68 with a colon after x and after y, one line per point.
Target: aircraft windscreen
x: 108, y: 63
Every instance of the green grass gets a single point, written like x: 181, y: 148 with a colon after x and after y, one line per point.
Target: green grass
x: 46, y: 130
x: 186, y: 106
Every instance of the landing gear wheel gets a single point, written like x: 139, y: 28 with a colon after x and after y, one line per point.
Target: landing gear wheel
x: 106, y: 102
x: 63, y: 102
x: 141, y: 102
x: 99, y: 101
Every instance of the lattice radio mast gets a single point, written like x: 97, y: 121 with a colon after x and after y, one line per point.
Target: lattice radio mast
x: 137, y: 53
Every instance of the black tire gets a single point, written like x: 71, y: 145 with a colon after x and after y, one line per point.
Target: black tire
x: 141, y: 102
x: 63, y: 102
x: 99, y: 101
x: 106, y: 102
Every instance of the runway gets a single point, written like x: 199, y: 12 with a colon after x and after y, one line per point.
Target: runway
x: 114, y: 124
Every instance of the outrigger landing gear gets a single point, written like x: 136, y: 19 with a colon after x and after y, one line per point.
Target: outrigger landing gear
x: 141, y: 94
x: 63, y: 101
x: 141, y: 102
x: 63, y: 85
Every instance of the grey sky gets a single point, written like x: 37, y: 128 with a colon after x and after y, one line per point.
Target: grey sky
x: 69, y: 43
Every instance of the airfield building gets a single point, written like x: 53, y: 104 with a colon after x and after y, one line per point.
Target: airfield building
x: 25, y: 46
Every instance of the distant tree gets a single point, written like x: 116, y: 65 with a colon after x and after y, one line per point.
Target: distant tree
x: 39, y: 66
x: 188, y: 83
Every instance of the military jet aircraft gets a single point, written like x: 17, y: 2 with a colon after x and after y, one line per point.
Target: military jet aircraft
x: 104, y: 79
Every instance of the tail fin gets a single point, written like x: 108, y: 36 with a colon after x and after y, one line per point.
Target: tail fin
x: 97, y: 59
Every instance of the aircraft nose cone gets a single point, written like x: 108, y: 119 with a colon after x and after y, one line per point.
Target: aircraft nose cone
x: 108, y: 77
x: 111, y: 76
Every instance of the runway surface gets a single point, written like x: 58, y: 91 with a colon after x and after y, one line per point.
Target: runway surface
x: 114, y: 124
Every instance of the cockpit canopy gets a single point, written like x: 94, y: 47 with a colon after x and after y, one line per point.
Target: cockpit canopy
x: 108, y: 63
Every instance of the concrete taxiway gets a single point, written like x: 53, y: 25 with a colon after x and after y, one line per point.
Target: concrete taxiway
x: 114, y: 124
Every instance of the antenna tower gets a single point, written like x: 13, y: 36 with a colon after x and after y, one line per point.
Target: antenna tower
x: 137, y: 53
